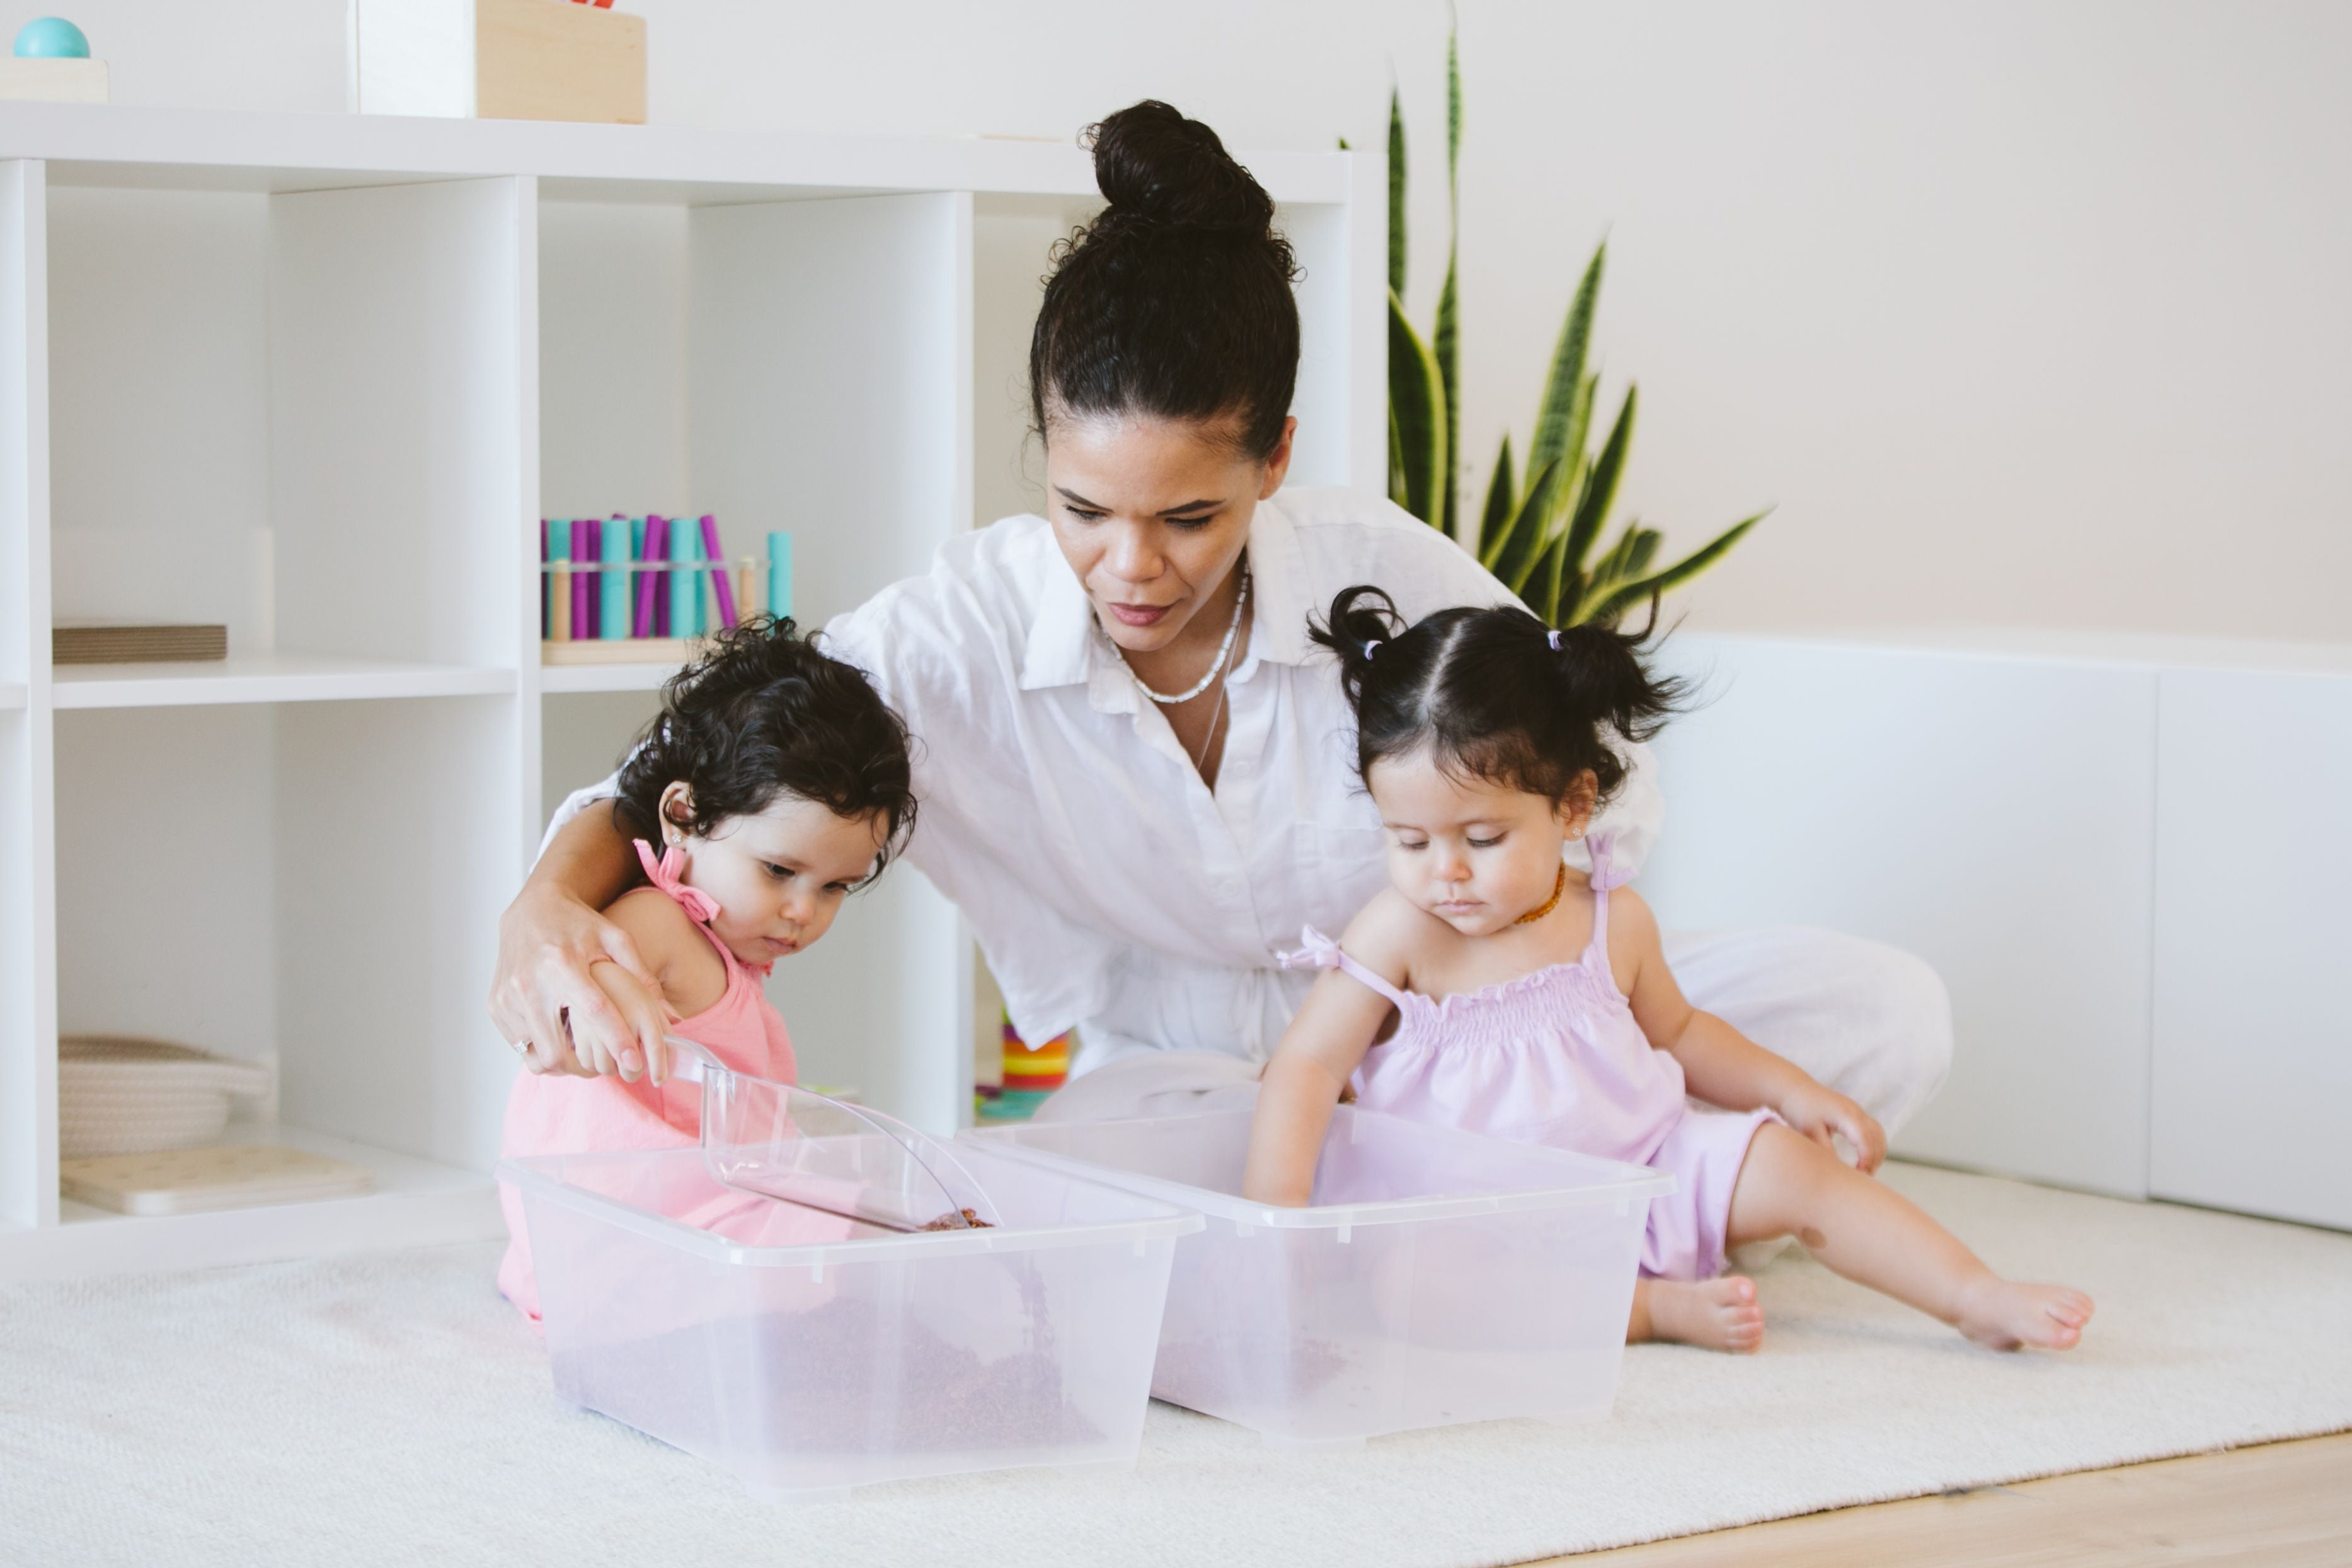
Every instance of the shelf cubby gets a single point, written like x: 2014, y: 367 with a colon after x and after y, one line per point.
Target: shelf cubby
x: 315, y: 378
x: 295, y: 413
x: 253, y: 879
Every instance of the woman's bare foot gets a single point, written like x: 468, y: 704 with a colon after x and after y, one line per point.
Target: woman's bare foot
x: 1714, y: 1314
x: 2001, y: 1314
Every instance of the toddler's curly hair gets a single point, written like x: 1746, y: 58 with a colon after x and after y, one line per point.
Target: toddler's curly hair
x: 763, y: 713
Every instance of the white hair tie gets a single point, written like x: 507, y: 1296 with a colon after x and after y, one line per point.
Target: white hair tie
x: 1370, y: 646
x: 1554, y: 639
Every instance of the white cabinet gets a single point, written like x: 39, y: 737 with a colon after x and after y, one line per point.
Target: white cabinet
x: 317, y: 378
x: 1991, y: 815
x: 2125, y: 856
x: 2253, y: 1049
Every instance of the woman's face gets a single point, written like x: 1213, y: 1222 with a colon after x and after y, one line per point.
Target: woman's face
x: 1151, y: 515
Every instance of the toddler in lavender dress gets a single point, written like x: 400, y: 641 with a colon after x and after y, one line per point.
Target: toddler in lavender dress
x: 1493, y: 989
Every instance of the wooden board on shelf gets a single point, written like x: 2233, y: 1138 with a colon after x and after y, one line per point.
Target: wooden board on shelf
x: 136, y: 642
x: 217, y: 1176
x: 623, y: 651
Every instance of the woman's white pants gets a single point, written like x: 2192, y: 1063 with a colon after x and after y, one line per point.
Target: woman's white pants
x: 1869, y: 1020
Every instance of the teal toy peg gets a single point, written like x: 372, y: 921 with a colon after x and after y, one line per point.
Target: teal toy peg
x: 51, y: 38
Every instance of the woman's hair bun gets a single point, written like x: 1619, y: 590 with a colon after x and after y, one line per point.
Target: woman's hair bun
x: 1153, y: 164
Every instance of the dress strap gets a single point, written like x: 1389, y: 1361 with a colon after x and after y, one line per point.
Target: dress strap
x: 1321, y: 952
x: 1604, y: 877
x: 666, y: 874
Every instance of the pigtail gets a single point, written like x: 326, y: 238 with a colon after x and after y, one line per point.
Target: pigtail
x: 1362, y: 618
x: 1602, y: 672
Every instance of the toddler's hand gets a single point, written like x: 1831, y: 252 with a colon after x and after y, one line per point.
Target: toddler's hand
x: 1819, y: 1113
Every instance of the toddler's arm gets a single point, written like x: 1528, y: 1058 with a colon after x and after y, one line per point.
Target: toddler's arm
x: 1720, y: 1065
x: 1319, y: 1051
x: 688, y: 976
x: 551, y: 935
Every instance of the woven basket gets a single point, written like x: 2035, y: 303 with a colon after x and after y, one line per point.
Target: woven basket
x: 124, y: 1096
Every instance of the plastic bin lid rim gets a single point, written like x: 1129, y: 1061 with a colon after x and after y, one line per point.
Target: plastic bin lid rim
x: 1637, y: 1182
x: 1173, y: 1221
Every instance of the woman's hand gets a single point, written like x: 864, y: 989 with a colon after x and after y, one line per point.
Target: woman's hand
x: 1819, y: 1112
x: 543, y: 1000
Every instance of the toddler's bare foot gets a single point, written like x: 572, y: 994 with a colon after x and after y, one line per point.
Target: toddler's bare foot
x: 2002, y: 1314
x: 1714, y: 1314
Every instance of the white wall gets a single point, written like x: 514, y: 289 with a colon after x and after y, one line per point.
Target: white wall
x: 2020, y: 312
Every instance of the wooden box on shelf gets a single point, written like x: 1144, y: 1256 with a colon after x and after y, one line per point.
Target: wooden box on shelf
x: 136, y: 642
x: 53, y: 80
x: 499, y: 59
x: 621, y: 650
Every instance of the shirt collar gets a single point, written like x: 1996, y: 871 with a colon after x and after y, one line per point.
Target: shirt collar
x: 1065, y: 649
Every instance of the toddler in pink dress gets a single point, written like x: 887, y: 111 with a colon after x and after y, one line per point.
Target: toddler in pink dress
x: 1555, y: 1057
x: 1478, y: 993
x: 777, y: 781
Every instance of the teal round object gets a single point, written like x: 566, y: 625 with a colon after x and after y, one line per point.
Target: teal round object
x: 51, y: 38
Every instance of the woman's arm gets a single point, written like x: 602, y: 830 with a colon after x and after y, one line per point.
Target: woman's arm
x: 1720, y: 1065
x: 547, y: 938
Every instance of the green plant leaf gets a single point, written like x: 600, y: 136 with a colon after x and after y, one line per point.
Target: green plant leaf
x: 1599, y: 491
x: 1446, y: 350
x: 1500, y: 537
x: 1615, y: 564
x: 1520, y: 549
x: 1555, y: 584
x: 1397, y: 491
x: 1646, y: 547
x: 1579, y: 419
x: 1445, y: 339
x: 1396, y: 195
x: 1501, y: 497
x: 1554, y: 436
x: 1453, y: 112
x: 1417, y: 410
x: 1617, y: 603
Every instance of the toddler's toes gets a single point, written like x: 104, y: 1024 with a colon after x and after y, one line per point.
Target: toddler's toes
x: 2002, y: 1314
x: 2072, y: 1308
x: 1714, y: 1314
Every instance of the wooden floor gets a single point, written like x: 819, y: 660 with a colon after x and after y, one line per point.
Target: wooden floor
x: 2287, y: 1504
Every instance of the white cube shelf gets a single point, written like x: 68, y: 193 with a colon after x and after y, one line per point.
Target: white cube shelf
x: 2124, y: 854
x: 317, y: 378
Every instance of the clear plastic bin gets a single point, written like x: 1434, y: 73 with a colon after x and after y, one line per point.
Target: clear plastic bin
x: 809, y: 1353
x: 1439, y: 1276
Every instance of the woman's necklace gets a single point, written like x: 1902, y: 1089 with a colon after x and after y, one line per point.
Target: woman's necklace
x: 1240, y: 602
x: 1208, y: 741
x: 1558, y: 884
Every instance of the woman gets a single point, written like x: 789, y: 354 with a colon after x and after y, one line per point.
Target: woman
x: 1136, y: 772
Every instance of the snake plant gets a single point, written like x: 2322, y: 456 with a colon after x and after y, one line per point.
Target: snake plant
x: 1537, y: 538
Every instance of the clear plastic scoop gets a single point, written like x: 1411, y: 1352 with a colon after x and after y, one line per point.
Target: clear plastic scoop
x: 787, y: 1142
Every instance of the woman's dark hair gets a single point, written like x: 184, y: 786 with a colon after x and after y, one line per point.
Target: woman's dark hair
x: 764, y: 714
x: 1175, y: 302
x: 1495, y: 694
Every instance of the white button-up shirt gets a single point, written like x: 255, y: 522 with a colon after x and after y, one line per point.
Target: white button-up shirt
x: 1107, y: 886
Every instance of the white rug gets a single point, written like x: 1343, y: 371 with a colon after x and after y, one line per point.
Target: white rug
x: 390, y: 1409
